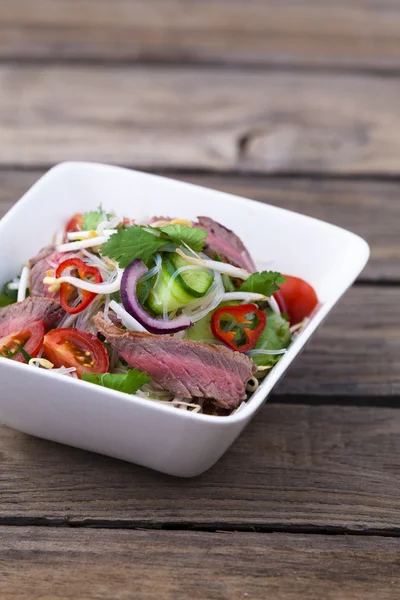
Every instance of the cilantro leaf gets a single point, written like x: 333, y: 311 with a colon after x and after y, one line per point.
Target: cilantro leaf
x: 187, y: 236
x: 92, y: 219
x: 266, y: 282
x: 133, y: 242
x: 128, y: 383
x: 276, y: 336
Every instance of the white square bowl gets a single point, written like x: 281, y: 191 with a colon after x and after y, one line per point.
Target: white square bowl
x: 129, y: 427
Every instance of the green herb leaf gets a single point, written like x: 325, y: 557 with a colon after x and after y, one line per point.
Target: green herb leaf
x: 266, y: 282
x: 92, y: 219
x: 5, y: 300
x: 6, y: 352
x: 11, y: 353
x: 7, y: 296
x: 24, y: 353
x: 128, y: 383
x: 276, y: 336
x: 183, y: 235
x: 131, y: 243
x: 228, y: 284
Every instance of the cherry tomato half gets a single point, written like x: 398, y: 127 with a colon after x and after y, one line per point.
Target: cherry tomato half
x: 30, y: 337
x: 69, y: 293
x: 76, y: 348
x: 297, y: 298
x: 75, y: 223
x: 239, y: 327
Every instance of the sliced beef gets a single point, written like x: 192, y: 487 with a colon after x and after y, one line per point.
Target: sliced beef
x: 185, y: 368
x: 226, y: 243
x: 48, y: 258
x: 31, y: 309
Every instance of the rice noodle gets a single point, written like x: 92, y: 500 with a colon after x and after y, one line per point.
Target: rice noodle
x: 127, y: 319
x: 261, y: 352
x: 215, y: 265
x: 274, y: 306
x: 171, y: 283
x: 84, y: 235
x: 89, y: 243
x: 198, y: 309
x: 245, y: 296
x: 97, y: 288
x: 299, y: 326
x: 155, y: 270
x: 23, y: 284
x: 85, y: 317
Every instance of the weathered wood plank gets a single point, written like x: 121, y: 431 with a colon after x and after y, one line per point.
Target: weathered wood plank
x: 368, y: 208
x: 98, y: 563
x: 293, y: 467
x: 306, y: 32
x: 207, y: 118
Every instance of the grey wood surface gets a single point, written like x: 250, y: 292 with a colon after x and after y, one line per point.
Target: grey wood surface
x: 44, y: 563
x: 322, y: 33
x: 326, y: 469
x: 204, y: 118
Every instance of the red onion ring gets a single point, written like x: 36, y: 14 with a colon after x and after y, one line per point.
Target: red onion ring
x: 130, y: 301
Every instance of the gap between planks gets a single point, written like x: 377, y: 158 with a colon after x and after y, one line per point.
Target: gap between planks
x: 328, y: 530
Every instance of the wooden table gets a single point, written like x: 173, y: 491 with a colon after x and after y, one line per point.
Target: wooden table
x: 294, y: 103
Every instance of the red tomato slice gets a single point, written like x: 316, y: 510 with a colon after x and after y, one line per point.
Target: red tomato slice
x: 297, y: 298
x: 76, y: 348
x: 75, y: 223
x: 30, y: 337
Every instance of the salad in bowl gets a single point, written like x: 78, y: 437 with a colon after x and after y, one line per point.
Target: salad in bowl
x: 166, y: 308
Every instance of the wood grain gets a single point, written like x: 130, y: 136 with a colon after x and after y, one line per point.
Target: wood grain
x: 294, y: 468
x: 206, y: 118
x: 97, y: 564
x: 296, y: 32
x: 369, y: 208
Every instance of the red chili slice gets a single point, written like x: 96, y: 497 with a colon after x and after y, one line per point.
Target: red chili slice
x: 239, y: 327
x: 69, y: 293
x: 76, y: 348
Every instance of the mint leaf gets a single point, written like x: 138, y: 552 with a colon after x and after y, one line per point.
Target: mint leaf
x: 183, y: 235
x: 131, y: 243
x: 129, y: 382
x: 276, y: 336
x: 266, y: 282
x: 92, y: 219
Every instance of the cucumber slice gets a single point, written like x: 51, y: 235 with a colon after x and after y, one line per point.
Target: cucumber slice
x: 195, y: 282
x: 177, y: 297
